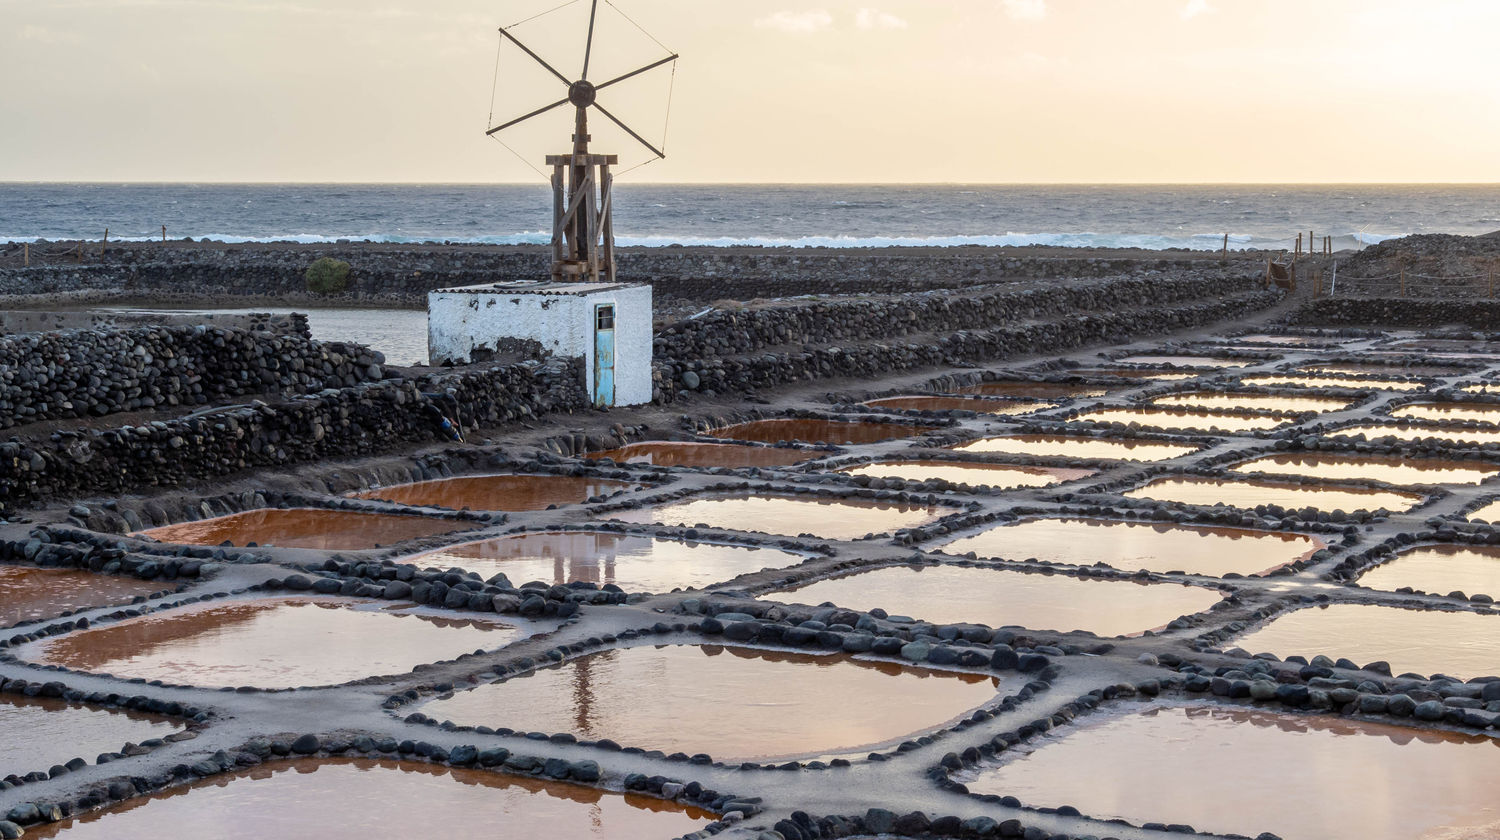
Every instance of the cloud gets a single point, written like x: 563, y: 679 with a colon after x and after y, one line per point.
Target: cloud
x: 1025, y: 9
x: 797, y: 23
x: 1195, y: 8
x: 875, y: 19
x: 43, y: 35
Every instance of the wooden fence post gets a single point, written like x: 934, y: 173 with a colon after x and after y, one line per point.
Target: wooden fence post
x: 164, y: 233
x: 1403, y: 282
x: 26, y: 253
x: 1224, y: 255
x: 104, y: 243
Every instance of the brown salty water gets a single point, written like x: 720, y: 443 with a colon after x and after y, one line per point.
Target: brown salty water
x: 957, y: 594
x: 1390, y: 469
x: 1132, y: 546
x: 1450, y: 412
x: 1301, y: 381
x: 1135, y: 373
x: 1450, y: 433
x: 1376, y: 369
x: 1001, y: 476
x: 680, y: 454
x: 979, y: 404
x: 497, y: 492
x: 1188, y: 361
x: 829, y: 519
x: 1459, y: 644
x: 1198, y: 490
x: 1252, y: 402
x: 271, y: 643
x: 336, y: 530
x: 818, y: 431
x: 636, y: 564
x: 29, y: 594
x: 1182, y: 420
x: 39, y: 732
x: 1035, y: 390
x: 736, y: 704
x: 1440, y: 569
x: 1069, y: 446
x: 1230, y: 769
x: 354, y: 799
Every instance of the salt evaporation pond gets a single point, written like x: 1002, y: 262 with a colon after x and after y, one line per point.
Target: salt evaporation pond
x: 736, y: 704
x: 1295, y: 381
x: 329, y: 530
x: 30, y: 594
x: 271, y: 643
x: 959, y: 595
x: 1375, y: 369
x: 1460, y: 644
x: 1035, y: 390
x: 1183, y: 420
x: 818, y: 431
x: 1066, y: 446
x: 1448, y: 433
x: 1450, y: 412
x: 1440, y: 569
x: 829, y: 519
x: 1199, y: 490
x: 708, y: 455
x: 37, y: 733
x: 633, y: 563
x: 355, y: 799
x: 979, y: 404
x: 1135, y: 373
x: 1188, y: 361
x: 1487, y: 513
x: 1000, y: 476
x: 1133, y: 546
x: 1387, y: 468
x: 1483, y: 388
x: 497, y: 492
x: 1252, y: 402
x: 1232, y: 770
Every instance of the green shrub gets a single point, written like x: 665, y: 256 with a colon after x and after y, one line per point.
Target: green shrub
x: 327, y: 276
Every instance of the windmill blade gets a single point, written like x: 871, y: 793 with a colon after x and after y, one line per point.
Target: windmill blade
x: 630, y: 131
x: 633, y: 73
x: 538, y: 59
x: 538, y: 112
x: 588, y: 46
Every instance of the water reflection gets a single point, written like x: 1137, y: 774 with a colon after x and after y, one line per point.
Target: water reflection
x: 832, y: 519
x: 333, y: 530
x: 29, y: 594
x: 39, y: 732
x: 818, y: 431
x: 730, y: 455
x: 1459, y: 644
x: 497, y: 492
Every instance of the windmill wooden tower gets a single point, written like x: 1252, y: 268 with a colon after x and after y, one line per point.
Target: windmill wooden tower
x: 583, y: 233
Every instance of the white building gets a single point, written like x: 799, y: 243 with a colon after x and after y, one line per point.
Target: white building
x: 607, y: 324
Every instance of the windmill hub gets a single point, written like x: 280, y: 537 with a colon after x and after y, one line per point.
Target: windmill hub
x: 581, y: 93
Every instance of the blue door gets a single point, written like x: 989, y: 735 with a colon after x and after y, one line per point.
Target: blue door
x: 604, y: 355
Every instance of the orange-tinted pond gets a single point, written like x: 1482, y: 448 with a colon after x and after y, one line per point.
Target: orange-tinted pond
x: 497, y: 492
x: 1135, y: 373
x: 1450, y: 433
x: 1132, y: 546
x: 29, y: 594
x: 1439, y: 569
x: 1253, y: 402
x: 1066, y: 446
x: 1295, y: 381
x: 984, y: 406
x: 1198, y: 490
x: 735, y: 704
x: 39, y: 732
x: 1188, y: 361
x: 830, y: 519
x: 818, y: 431
x: 730, y: 455
x: 353, y: 799
x: 1389, y: 469
x: 338, y: 530
x: 1178, y: 419
x: 633, y: 563
x: 1459, y: 644
x: 271, y: 643
x: 1481, y: 412
x: 979, y: 475
x: 1036, y: 390
x: 1235, y: 770
x: 1285, y: 340
x: 957, y: 594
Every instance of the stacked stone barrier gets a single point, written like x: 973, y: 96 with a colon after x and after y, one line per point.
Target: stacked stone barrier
x: 1399, y: 312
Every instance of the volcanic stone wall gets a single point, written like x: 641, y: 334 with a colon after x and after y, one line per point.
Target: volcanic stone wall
x: 1403, y: 312
x: 14, y: 321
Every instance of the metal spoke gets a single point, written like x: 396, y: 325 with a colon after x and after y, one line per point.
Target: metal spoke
x: 588, y: 46
x: 652, y: 66
x: 537, y: 58
x: 538, y: 111
x: 629, y: 130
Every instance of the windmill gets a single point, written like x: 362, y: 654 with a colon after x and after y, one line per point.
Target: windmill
x: 583, y: 237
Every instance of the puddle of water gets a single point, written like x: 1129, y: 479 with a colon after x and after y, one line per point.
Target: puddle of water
x: 955, y: 594
x: 736, y: 704
x: 1181, y: 420
x: 1459, y: 644
x: 1198, y: 490
x: 1038, y: 390
x: 633, y: 563
x: 39, y: 732
x: 1295, y: 381
x: 1457, y: 435
x: 1181, y: 763
x: 1064, y: 446
x: 1488, y: 513
x: 1481, y: 412
x: 818, y: 431
x: 915, y: 403
x: 1188, y: 361
x: 1002, y: 476
x: 333, y: 530
x: 1135, y: 373
x: 678, y: 454
x: 350, y: 799
x: 1361, y: 369
x: 1133, y: 546
x: 271, y: 643
x: 1389, y: 469
x: 1439, y: 569
x: 497, y: 492
x: 28, y: 594
x: 829, y: 519
x: 1253, y: 402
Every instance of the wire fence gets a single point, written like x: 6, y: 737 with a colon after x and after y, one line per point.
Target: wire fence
x: 1481, y: 286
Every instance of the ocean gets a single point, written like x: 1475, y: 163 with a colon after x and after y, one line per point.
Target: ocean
x: 1153, y: 217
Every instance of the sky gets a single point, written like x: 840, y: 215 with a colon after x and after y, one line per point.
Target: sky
x: 767, y: 91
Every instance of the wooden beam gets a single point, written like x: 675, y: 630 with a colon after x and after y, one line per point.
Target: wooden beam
x: 592, y: 222
x: 607, y: 222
